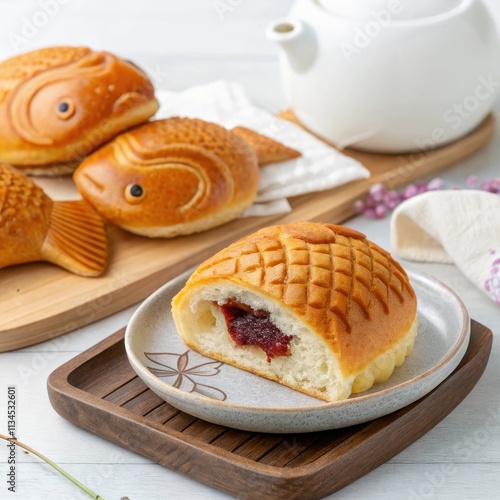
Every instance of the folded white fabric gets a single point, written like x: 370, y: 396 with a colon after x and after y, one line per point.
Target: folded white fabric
x: 319, y: 168
x: 460, y: 227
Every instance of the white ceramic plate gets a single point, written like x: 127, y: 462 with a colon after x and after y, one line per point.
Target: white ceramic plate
x: 228, y: 396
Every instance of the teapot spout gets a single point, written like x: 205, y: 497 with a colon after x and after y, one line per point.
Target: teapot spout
x: 296, y: 39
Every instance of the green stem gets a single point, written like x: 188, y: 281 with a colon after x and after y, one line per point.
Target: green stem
x: 89, y: 492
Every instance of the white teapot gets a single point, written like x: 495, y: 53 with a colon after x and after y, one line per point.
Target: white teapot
x: 389, y: 75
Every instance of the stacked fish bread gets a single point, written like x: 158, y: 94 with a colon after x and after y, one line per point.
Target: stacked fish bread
x: 176, y: 176
x: 59, y: 104
x: 316, y: 307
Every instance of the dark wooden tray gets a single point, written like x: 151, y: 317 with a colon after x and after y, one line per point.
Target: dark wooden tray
x: 99, y: 391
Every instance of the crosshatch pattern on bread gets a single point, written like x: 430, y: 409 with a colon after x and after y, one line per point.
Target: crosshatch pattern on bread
x: 346, y: 303
x: 191, y: 175
x: 34, y: 228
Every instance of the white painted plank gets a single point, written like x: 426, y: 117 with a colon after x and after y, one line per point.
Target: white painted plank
x: 113, y: 481
x: 426, y: 482
x: 36, y: 481
x: 37, y: 423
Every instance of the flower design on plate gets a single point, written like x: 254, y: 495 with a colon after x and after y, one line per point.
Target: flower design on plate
x: 492, y: 284
x: 176, y: 366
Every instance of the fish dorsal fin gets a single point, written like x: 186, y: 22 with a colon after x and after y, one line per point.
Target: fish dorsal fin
x: 268, y: 150
x: 17, y: 69
x: 76, y: 239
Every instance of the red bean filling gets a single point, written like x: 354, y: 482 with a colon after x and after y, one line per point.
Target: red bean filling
x: 248, y: 326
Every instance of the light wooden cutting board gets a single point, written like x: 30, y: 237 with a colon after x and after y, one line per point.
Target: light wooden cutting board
x: 41, y: 301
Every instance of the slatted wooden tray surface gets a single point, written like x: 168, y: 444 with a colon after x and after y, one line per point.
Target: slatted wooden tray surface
x: 99, y: 391
x: 40, y: 301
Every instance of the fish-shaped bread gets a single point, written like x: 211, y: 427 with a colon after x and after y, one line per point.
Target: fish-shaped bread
x: 59, y: 104
x: 316, y: 307
x: 34, y: 228
x: 176, y: 176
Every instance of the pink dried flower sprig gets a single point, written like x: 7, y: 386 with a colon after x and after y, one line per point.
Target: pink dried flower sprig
x: 489, y: 185
x: 379, y: 202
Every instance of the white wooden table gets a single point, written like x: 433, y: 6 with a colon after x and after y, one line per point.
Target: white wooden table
x: 183, y: 44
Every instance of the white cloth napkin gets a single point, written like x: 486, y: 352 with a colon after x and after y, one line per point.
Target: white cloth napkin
x: 460, y: 227
x: 319, y: 168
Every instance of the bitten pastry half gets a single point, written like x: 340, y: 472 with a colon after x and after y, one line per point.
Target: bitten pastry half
x: 58, y: 104
x: 316, y: 307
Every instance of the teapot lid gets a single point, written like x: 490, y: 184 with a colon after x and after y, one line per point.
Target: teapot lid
x: 398, y: 9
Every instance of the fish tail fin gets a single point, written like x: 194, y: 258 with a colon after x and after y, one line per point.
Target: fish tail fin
x: 268, y: 150
x: 76, y: 239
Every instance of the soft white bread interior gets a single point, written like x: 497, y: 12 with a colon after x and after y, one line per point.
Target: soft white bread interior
x: 345, y: 335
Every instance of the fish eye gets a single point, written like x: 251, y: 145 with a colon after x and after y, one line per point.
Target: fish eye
x: 134, y: 193
x: 65, y: 109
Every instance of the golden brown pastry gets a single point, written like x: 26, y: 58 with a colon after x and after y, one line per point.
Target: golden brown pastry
x: 69, y: 234
x: 171, y: 177
x: 316, y: 307
x: 59, y: 104
x: 268, y: 150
